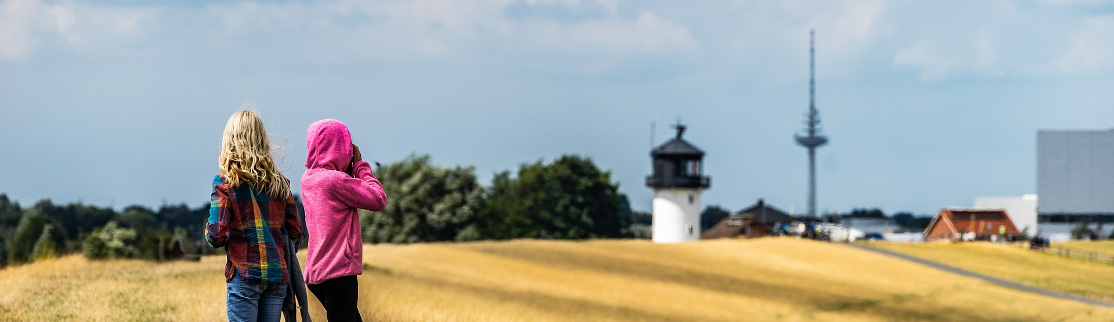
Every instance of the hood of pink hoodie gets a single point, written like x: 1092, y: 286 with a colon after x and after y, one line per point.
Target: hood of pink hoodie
x: 329, y: 145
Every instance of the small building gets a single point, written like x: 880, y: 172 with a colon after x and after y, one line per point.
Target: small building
x: 970, y: 224
x: 755, y: 221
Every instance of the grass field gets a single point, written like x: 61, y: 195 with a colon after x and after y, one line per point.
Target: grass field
x: 756, y: 280
x: 1105, y: 247
x: 1068, y: 275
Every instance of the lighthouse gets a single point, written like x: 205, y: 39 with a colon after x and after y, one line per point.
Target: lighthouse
x: 678, y: 180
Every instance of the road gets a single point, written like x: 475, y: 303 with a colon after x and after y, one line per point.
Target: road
x: 987, y: 278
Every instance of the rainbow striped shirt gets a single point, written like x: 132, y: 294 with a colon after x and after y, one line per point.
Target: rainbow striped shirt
x: 248, y: 224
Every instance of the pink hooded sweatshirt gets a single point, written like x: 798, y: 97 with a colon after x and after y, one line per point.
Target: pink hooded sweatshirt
x: 330, y: 197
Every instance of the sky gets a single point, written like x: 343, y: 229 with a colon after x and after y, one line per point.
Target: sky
x: 927, y: 104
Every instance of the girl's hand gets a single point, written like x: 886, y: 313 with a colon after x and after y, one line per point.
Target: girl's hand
x: 356, y: 157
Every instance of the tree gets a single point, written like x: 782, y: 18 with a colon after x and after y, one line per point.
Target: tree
x: 626, y: 216
x: 712, y: 215
x: 45, y: 248
x: 28, y: 232
x: 75, y: 218
x: 1081, y: 231
x: 911, y: 222
x: 865, y: 213
x: 137, y: 217
x: 10, y: 213
x: 425, y: 203
x: 643, y: 218
x: 110, y: 241
x: 569, y: 198
x: 3, y: 252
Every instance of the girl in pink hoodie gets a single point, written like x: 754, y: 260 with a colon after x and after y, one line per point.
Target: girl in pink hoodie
x: 337, y: 182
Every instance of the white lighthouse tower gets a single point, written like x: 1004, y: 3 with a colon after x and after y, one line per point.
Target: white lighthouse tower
x: 678, y: 181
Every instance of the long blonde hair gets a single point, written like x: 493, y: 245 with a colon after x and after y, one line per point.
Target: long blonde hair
x: 245, y: 155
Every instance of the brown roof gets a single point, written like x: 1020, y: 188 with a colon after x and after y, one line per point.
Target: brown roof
x: 949, y: 223
x: 734, y: 226
x: 766, y: 214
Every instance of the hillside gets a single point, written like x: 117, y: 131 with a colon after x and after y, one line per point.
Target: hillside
x: 757, y: 280
x: 1044, y: 270
x: 1104, y: 247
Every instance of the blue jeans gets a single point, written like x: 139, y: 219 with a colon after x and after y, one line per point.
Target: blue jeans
x: 250, y: 302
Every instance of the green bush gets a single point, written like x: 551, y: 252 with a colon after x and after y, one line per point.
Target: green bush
x: 1082, y: 231
x: 29, y: 231
x: 155, y: 245
x: 569, y: 198
x: 110, y: 241
x: 425, y: 203
x: 45, y: 248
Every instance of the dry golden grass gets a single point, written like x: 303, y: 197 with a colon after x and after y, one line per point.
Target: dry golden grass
x: 1105, y: 247
x: 1068, y: 275
x: 758, y: 280
x: 74, y: 289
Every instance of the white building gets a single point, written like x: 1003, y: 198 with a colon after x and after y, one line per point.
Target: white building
x: 1075, y: 181
x: 677, y: 181
x: 1023, y: 210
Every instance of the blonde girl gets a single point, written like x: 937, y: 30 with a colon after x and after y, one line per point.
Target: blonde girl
x: 251, y: 208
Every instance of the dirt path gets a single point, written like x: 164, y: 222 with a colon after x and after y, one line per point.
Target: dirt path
x: 987, y: 278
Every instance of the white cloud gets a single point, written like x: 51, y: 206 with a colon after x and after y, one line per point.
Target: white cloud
x: 448, y: 27
x: 959, y: 52
x: 646, y: 35
x: 983, y: 39
x: 28, y: 24
x: 1091, y: 48
x: 847, y: 26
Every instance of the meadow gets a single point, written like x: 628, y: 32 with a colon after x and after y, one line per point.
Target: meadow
x: 1019, y: 264
x: 774, y: 279
x: 1104, y: 247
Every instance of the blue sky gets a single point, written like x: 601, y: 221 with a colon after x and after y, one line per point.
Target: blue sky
x: 927, y: 103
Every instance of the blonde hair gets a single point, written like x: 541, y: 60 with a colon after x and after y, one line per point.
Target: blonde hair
x: 245, y: 156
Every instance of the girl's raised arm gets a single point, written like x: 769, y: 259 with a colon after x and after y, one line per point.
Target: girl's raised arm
x: 364, y: 191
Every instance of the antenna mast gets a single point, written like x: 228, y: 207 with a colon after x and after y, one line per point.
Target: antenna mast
x: 812, y: 138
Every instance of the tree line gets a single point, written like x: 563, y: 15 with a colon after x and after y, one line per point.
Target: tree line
x: 567, y: 198
x: 713, y: 214
x: 45, y: 230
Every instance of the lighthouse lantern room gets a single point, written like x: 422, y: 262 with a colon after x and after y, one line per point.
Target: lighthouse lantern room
x: 678, y: 181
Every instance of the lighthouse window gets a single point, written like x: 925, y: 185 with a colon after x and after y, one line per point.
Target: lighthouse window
x: 691, y: 199
x: 690, y: 229
x: 690, y: 168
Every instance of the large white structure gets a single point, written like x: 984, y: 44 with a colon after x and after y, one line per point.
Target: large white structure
x: 1022, y: 210
x: 677, y: 181
x: 1075, y: 181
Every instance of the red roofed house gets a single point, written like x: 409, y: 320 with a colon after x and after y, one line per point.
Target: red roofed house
x: 976, y: 223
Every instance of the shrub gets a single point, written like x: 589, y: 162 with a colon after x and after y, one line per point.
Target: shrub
x: 45, y: 248
x: 110, y: 241
x: 29, y: 231
x: 1082, y: 231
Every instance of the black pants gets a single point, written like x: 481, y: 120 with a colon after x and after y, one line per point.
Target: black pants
x: 339, y: 297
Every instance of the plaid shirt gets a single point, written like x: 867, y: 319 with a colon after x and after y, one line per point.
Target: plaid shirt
x: 248, y: 224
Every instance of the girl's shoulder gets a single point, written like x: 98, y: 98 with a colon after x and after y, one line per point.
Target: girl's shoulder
x: 219, y: 179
